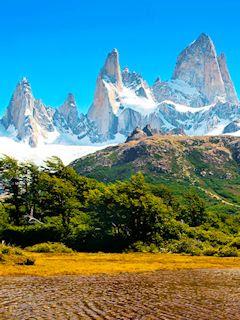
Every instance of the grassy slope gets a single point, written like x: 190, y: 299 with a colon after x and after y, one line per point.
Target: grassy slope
x: 99, y: 263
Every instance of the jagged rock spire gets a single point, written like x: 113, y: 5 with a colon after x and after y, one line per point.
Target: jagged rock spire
x: 134, y: 81
x: 27, y: 116
x: 69, y: 111
x: 198, y: 66
x: 21, y: 105
x: 231, y: 94
x: 106, y: 98
x: 111, y: 71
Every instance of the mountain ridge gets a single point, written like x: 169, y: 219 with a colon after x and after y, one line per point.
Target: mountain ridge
x: 199, y: 99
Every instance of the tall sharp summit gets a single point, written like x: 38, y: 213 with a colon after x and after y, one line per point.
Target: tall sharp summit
x: 106, y: 99
x: 69, y: 111
x: 111, y: 71
x: 199, y: 66
x: 231, y: 94
x: 27, y: 118
x: 119, y: 97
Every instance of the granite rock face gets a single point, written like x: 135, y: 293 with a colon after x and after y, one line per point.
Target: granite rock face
x: 232, y: 127
x: 111, y: 71
x: 200, y: 77
x: 69, y: 112
x: 231, y: 94
x: 106, y: 100
x: 75, y: 125
x: 27, y: 118
x: 198, y: 66
x: 179, y: 92
x: 134, y: 81
x: 119, y: 99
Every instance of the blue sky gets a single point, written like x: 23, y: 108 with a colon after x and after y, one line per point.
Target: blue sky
x: 61, y: 45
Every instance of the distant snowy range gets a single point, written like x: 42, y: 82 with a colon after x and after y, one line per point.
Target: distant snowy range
x: 199, y: 99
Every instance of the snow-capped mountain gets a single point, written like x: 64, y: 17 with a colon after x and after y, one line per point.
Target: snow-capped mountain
x: 28, y: 120
x: 199, y: 99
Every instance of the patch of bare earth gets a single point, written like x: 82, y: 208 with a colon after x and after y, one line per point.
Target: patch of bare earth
x: 185, y: 294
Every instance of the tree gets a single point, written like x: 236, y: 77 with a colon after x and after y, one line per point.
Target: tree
x: 30, y: 196
x: 58, y: 197
x: 11, y: 177
x: 193, y: 211
x: 129, y: 210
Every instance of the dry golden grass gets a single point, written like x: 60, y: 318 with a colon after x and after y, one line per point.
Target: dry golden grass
x: 103, y: 263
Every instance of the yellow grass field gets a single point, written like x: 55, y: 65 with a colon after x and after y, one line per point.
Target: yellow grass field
x: 106, y: 263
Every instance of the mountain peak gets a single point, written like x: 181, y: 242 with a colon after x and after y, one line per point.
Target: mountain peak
x: 23, y: 86
x: 158, y: 79
x: 106, y: 98
x: 204, y: 37
x: 69, y: 110
x: 197, y: 65
x: 114, y: 51
x: 26, y: 115
x: 24, y: 82
x: 231, y: 94
x: 205, y: 42
x: 71, y: 100
x: 111, y: 71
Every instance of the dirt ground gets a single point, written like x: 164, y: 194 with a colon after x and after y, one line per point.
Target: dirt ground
x: 185, y: 294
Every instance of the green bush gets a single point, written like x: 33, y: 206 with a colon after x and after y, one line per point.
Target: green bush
x: 7, y: 250
x: 49, y: 247
x: 211, y: 251
x: 215, y: 237
x: 186, y: 245
x: 236, y: 243
x: 29, y: 235
x: 228, y: 251
x: 139, y: 246
x: 13, y: 255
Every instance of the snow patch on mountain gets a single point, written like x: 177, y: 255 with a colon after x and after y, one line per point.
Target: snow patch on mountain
x: 67, y: 153
x: 143, y: 105
x: 184, y: 109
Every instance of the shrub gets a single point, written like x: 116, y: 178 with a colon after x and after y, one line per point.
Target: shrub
x: 30, y: 235
x: 139, y: 246
x: 211, y: 251
x: 236, y: 243
x: 215, y: 237
x: 9, y: 250
x: 13, y: 255
x: 186, y: 245
x: 228, y: 251
x: 26, y: 261
x: 49, y: 247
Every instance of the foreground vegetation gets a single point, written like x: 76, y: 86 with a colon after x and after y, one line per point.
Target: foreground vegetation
x: 54, y: 204
x: 14, y: 256
x: 112, y: 263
